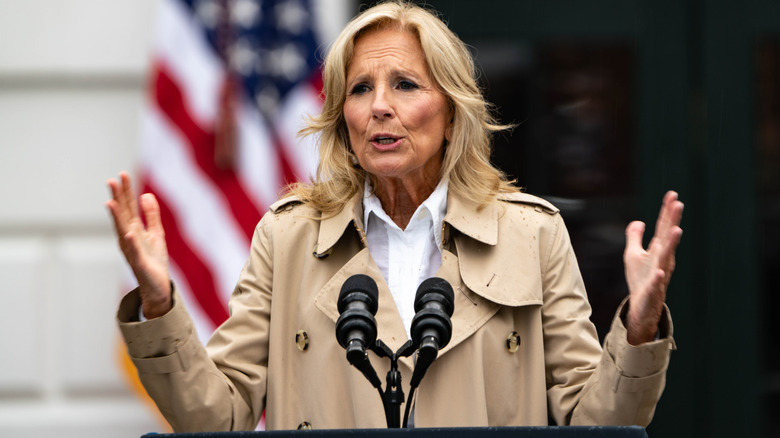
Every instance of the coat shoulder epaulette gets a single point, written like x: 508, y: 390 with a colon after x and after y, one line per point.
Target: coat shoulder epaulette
x: 285, y: 204
x: 534, y: 201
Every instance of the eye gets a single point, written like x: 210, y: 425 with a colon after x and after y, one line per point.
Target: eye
x: 359, y: 89
x: 407, y: 85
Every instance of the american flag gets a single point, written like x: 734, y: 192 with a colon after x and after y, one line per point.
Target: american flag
x: 231, y: 82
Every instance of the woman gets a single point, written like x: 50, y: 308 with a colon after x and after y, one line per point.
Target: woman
x: 404, y: 191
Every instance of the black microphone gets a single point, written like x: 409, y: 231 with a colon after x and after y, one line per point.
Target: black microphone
x: 431, y: 328
x: 356, y: 327
x: 431, y: 325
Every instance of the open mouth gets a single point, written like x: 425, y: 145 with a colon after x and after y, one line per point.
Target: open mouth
x: 384, y: 139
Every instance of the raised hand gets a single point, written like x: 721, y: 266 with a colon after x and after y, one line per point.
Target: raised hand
x: 143, y: 247
x: 649, y: 271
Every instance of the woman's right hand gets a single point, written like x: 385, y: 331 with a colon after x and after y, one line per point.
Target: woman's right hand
x: 143, y: 247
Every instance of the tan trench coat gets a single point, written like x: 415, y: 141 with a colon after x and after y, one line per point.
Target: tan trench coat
x: 513, y: 270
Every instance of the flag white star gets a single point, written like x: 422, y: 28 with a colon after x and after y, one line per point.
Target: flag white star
x: 291, y: 16
x: 288, y: 61
x: 208, y: 11
x: 243, y: 57
x: 267, y: 99
x: 245, y: 13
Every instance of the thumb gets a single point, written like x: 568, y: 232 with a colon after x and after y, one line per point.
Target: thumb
x: 634, y: 233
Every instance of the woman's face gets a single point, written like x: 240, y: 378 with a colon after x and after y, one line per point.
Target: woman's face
x: 396, y: 117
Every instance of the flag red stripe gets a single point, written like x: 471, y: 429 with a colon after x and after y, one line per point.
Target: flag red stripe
x: 170, y: 100
x: 316, y: 81
x: 198, y: 275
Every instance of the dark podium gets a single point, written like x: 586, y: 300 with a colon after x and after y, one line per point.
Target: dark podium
x: 455, y: 432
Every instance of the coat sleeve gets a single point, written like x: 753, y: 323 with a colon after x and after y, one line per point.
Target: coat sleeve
x: 587, y: 385
x: 222, y: 386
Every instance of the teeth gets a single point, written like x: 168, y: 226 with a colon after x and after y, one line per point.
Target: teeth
x: 385, y: 140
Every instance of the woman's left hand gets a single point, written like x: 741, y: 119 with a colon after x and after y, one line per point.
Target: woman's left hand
x: 648, y: 271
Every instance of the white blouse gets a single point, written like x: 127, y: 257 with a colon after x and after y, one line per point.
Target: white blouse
x: 406, y: 257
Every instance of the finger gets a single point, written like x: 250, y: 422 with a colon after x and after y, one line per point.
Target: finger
x: 116, y: 192
x: 671, y: 230
x: 151, y: 210
x: 129, y: 195
x: 119, y: 194
x: 634, y: 233
x: 676, y: 212
x: 668, y: 249
x: 119, y: 227
x: 667, y: 227
x: 664, y: 215
x: 117, y: 207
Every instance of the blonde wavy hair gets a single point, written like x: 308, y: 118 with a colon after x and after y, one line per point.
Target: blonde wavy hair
x: 466, y: 161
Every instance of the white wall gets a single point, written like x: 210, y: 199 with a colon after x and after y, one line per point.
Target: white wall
x: 72, y: 75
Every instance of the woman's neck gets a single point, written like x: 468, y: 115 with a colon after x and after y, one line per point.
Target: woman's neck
x: 400, y: 198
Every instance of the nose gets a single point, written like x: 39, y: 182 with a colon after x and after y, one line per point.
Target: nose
x: 381, y: 106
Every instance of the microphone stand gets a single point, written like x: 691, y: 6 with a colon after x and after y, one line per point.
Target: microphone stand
x: 393, y: 396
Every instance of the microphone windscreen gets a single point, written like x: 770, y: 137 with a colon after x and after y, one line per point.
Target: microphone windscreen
x: 359, y: 287
x: 435, y: 289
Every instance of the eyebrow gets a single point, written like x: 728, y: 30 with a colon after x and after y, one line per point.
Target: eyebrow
x: 393, y: 73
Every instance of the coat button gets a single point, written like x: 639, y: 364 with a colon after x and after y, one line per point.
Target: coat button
x: 305, y: 426
x: 513, y: 342
x: 302, y: 340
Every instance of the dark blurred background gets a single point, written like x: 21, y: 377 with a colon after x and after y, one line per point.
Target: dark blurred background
x: 617, y: 101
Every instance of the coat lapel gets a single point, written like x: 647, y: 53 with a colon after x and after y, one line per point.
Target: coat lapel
x: 389, y: 324
x: 388, y: 320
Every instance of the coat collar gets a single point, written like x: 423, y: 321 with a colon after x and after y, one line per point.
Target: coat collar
x: 464, y: 215
x: 332, y: 228
x: 467, y: 217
